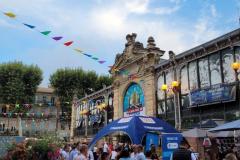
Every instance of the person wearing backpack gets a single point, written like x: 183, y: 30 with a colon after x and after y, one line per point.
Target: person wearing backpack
x: 183, y: 153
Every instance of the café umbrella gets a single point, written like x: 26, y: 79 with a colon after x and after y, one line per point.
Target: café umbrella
x: 135, y: 127
x: 231, y: 126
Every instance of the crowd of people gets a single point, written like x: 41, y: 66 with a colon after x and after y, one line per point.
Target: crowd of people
x: 127, y: 151
x: 80, y: 151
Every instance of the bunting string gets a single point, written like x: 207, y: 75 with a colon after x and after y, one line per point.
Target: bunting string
x: 56, y: 38
x: 122, y: 72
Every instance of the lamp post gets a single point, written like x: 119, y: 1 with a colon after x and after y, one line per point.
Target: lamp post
x: 175, y: 89
x: 236, y: 66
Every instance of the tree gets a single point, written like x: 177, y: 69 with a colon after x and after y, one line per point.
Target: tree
x: 18, y: 82
x: 68, y: 82
x: 103, y: 80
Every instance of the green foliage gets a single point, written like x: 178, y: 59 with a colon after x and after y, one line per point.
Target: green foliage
x: 18, y: 82
x: 68, y: 82
x: 46, y: 148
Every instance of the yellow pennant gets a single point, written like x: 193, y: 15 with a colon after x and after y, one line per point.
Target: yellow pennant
x: 78, y: 50
x: 9, y: 14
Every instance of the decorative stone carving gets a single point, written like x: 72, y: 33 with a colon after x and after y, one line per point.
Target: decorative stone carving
x: 151, y: 47
x: 116, y: 83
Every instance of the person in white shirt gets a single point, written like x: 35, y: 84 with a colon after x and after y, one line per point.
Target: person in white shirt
x: 65, y: 152
x: 140, y: 155
x: 83, y: 153
x: 135, y: 152
x: 90, y: 155
x: 113, y: 154
x: 105, y: 147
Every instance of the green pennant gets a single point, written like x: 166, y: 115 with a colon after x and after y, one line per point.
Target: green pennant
x: 46, y: 32
x: 95, y: 58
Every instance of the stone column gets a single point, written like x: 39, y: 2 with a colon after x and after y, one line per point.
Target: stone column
x: 105, y: 112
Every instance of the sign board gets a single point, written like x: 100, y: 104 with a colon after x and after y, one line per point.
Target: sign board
x: 133, y: 101
x: 151, y: 138
x: 217, y: 93
x: 170, y: 142
x: 5, y: 141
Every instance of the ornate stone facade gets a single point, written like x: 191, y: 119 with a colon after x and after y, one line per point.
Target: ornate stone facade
x: 139, y: 63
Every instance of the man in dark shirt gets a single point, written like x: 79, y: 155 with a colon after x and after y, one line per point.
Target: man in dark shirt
x: 182, y: 153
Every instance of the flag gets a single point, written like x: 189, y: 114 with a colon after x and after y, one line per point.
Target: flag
x: 10, y: 14
x: 29, y: 26
x: 68, y: 43
x: 101, y: 62
x: 87, y: 55
x: 95, y: 58
x: 46, y: 33
x: 57, y: 38
x: 78, y: 50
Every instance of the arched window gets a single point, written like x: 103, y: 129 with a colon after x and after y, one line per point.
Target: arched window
x: 184, y: 80
x: 203, y: 72
x: 193, y: 77
x: 215, y: 69
x: 160, y: 82
x: 228, y: 72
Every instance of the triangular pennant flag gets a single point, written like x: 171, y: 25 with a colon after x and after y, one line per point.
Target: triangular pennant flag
x: 78, y: 50
x: 9, y: 14
x: 95, y: 58
x: 101, y: 62
x: 87, y: 55
x: 68, y: 43
x: 28, y: 25
x: 46, y: 33
x: 57, y: 38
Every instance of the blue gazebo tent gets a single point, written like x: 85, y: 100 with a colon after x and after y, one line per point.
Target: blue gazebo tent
x: 135, y: 127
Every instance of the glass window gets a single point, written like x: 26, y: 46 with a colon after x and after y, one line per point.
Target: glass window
x: 161, y: 107
x: 169, y: 79
x: 203, y: 72
x: 237, y: 54
x: 193, y: 79
x: 160, y: 82
x: 170, y: 105
x: 228, y: 72
x: 185, y: 101
x: 215, y: 69
x: 184, y: 80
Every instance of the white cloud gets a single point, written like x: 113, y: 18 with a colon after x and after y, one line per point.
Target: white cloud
x: 205, y: 25
x: 105, y: 24
x: 137, y: 6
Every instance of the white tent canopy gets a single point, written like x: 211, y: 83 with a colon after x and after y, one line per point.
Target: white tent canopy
x: 197, y: 133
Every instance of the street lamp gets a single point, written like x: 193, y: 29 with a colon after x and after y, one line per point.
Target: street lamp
x: 236, y: 66
x: 175, y: 88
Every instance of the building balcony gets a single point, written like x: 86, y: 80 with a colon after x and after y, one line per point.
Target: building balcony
x: 90, y: 131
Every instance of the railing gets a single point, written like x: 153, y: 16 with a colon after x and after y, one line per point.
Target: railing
x: 9, y: 133
x: 90, y: 131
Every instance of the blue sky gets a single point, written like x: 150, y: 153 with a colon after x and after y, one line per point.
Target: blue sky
x: 99, y: 27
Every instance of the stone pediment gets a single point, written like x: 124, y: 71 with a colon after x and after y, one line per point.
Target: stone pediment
x: 134, y: 51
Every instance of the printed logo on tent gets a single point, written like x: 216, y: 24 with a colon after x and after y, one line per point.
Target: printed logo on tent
x: 153, y: 128
x: 172, y: 145
x: 121, y: 127
x: 125, y: 120
x: 147, y: 120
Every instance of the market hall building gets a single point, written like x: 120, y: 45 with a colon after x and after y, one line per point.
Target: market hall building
x: 196, y: 88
